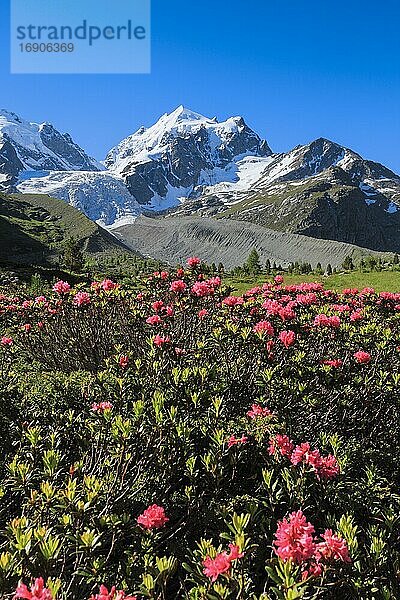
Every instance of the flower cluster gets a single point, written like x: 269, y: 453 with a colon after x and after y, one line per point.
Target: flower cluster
x: 222, y: 563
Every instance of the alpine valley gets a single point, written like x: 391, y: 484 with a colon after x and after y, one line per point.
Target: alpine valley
x: 191, y: 184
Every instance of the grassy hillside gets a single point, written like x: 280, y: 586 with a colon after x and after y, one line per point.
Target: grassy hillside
x: 33, y: 228
x: 33, y: 232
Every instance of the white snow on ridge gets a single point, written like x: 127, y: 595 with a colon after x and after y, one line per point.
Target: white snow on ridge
x: 147, y: 144
x: 238, y: 176
x: 27, y: 135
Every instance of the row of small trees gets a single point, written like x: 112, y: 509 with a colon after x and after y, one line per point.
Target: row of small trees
x: 253, y: 266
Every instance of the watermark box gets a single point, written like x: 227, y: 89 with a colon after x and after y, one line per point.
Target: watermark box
x: 80, y: 36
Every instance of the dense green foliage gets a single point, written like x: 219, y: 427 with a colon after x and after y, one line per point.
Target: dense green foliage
x: 112, y: 401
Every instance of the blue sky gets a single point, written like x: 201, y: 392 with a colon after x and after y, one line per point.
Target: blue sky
x: 295, y: 71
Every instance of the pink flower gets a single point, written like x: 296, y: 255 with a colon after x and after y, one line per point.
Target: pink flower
x: 113, y: 594
x: 362, y: 358
x: 159, y: 341
x: 154, y: 320
x: 40, y: 299
x: 214, y: 567
x: 153, y: 517
x: 356, y: 316
x: 202, y: 313
x: 123, y: 361
x: 278, y: 279
x: 6, y: 341
x: 37, y: 591
x: 294, y: 538
x: 193, y: 261
x: 314, y: 570
x: 325, y: 321
x: 304, y: 454
x: 333, y: 547
x: 180, y: 351
x: 157, y: 306
x: 234, y: 552
x: 101, y: 406
x: 27, y: 327
x: 234, y: 441
x: 264, y: 327
x: 258, y: 411
x: 281, y: 443
x: 336, y: 363
x: 202, y: 289
x: 81, y: 299
x: 107, y: 285
x: 287, y: 338
x: 178, y: 286
x: 328, y: 467
x: 61, y: 287
x: 233, y: 301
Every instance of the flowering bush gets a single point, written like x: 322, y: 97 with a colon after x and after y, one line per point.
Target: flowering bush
x: 183, y: 442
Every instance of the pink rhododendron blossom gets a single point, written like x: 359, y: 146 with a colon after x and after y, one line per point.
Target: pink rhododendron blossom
x: 153, y: 517
x: 27, y: 327
x: 233, y: 301
x: 81, y: 299
x: 278, y: 279
x: 214, y: 567
x: 101, y: 406
x: 282, y: 444
x: 123, y: 361
x: 202, y: 313
x: 234, y: 441
x: 154, y: 320
x: 264, y: 327
x: 287, y: 338
x: 157, y: 306
x: 325, y: 321
x: 304, y: 454
x: 336, y: 363
x: 328, y: 467
x: 159, y: 340
x: 333, y: 547
x: 61, y: 287
x: 193, y: 261
x: 178, y: 286
x: 37, y: 591
x: 258, y: 411
x: 6, y: 341
x: 294, y: 538
x: 107, y: 285
x: 202, y: 289
x: 363, y: 358
x: 113, y: 594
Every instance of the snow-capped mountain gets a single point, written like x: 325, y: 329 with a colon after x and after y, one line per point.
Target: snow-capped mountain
x: 193, y: 165
x: 26, y: 146
x: 320, y: 189
x: 182, y: 153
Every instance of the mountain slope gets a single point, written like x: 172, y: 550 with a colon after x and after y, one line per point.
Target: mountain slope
x: 100, y: 196
x: 33, y: 229
x: 179, y: 154
x: 26, y: 146
x: 321, y: 190
x: 228, y: 241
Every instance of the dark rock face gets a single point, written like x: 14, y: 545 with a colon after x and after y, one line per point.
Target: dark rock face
x: 65, y: 147
x: 10, y: 166
x: 189, y: 157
